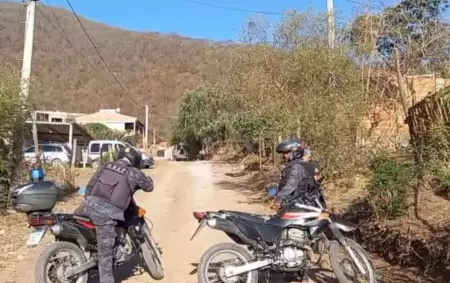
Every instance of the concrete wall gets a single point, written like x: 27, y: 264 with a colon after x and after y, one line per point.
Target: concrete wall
x: 115, y: 125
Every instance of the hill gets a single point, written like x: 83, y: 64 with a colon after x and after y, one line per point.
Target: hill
x: 155, y: 69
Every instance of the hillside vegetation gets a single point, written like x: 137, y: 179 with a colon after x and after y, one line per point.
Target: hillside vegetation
x: 155, y: 69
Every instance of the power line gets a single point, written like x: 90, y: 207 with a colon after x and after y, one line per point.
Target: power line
x: 232, y: 8
x: 99, y: 54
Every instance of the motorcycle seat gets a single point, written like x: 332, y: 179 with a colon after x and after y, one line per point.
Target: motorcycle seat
x: 248, y: 216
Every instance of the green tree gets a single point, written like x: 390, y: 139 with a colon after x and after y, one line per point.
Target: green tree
x: 12, y: 128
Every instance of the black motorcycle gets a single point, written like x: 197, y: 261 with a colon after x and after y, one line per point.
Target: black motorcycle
x: 74, y: 252
x: 283, y: 243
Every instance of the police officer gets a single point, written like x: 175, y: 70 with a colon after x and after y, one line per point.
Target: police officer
x: 312, y: 167
x: 108, y: 195
x: 295, y: 180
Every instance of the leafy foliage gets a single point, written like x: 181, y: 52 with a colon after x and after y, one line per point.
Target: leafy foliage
x: 290, y: 85
x: 100, y: 131
x: 415, y: 27
x: 12, y: 125
x: 389, y: 187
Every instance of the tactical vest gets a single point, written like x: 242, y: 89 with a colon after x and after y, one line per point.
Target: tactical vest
x: 111, y: 184
x: 285, y: 174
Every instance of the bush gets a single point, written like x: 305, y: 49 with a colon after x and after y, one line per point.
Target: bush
x: 389, y: 187
x: 12, y: 123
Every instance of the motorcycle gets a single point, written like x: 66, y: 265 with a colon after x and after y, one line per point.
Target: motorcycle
x: 282, y: 243
x: 75, y: 236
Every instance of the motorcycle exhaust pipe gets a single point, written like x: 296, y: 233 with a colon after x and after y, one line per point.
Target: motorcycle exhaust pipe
x: 234, y: 271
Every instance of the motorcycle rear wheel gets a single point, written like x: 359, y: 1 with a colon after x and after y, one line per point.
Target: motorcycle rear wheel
x: 204, y: 264
x: 51, y: 250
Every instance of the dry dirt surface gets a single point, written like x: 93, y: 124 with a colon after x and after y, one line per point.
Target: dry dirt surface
x: 180, y: 189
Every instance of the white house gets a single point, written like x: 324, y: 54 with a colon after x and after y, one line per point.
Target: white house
x: 113, y: 120
x: 56, y: 116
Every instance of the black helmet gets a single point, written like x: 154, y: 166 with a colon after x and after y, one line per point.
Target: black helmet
x: 134, y: 156
x: 294, y: 146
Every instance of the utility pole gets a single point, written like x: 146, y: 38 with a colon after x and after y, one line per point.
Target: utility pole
x: 146, y: 128
x: 26, y: 64
x: 154, y: 140
x: 331, y: 27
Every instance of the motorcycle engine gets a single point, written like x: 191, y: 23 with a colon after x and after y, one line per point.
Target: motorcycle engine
x: 123, y: 247
x: 291, y: 253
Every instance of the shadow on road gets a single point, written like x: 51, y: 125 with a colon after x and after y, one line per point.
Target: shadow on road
x: 130, y: 269
x: 317, y: 275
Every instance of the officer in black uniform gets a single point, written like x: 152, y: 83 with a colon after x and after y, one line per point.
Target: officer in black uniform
x: 295, y: 180
x: 108, y: 195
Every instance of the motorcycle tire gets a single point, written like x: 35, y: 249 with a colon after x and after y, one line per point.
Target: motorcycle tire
x: 336, y: 266
x: 41, y: 266
x: 203, y: 266
x: 151, y: 255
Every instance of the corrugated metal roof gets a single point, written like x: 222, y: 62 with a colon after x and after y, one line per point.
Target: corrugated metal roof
x: 105, y: 117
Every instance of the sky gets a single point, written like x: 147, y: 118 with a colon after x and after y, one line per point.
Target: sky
x: 191, y: 18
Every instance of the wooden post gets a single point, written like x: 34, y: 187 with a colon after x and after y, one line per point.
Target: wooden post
x: 35, y: 136
x: 154, y: 141
x: 400, y: 80
x: 74, y: 152
x: 71, y: 135
x: 84, y: 156
x: 146, y: 128
x: 110, y: 153
x: 260, y: 153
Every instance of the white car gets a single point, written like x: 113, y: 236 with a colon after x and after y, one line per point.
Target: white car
x: 97, y: 146
x: 52, y: 153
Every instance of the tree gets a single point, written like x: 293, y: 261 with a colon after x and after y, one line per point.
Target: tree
x: 12, y: 127
x: 415, y: 27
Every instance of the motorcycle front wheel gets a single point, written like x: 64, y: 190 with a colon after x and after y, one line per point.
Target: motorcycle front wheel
x: 151, y: 255
x: 346, y: 270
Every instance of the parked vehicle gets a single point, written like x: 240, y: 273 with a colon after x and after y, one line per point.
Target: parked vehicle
x: 147, y: 160
x: 179, y: 153
x: 52, y: 153
x: 75, y: 237
x: 282, y: 243
x: 98, y: 146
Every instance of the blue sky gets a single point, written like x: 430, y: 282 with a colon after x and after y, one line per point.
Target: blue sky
x: 193, y: 19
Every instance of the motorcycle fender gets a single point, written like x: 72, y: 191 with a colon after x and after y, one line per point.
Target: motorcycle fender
x: 337, y: 234
x: 70, y: 232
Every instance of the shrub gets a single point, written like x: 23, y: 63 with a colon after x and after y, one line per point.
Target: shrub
x: 389, y: 187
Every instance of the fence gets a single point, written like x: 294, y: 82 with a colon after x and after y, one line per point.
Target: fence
x: 426, y: 115
x: 429, y: 111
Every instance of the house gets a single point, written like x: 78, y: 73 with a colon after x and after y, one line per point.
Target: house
x: 56, y: 116
x: 113, y: 120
